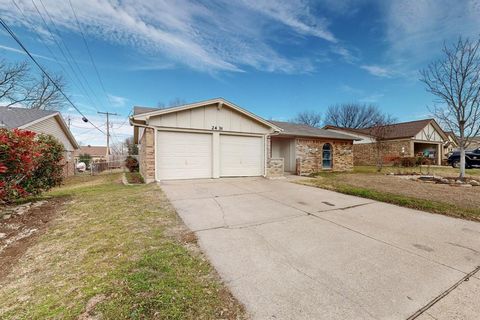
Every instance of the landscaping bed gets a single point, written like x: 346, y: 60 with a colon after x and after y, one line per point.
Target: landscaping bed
x: 112, y: 252
x: 134, y: 178
x: 431, y: 197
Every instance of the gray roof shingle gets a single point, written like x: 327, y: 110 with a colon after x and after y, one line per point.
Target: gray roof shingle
x: 140, y: 110
x: 303, y: 130
x: 16, y: 117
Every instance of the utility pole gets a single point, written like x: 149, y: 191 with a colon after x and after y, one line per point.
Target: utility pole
x: 108, y: 114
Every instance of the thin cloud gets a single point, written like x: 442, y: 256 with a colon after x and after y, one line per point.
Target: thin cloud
x: 7, y: 48
x: 117, y: 101
x: 210, y: 36
x: 378, y: 71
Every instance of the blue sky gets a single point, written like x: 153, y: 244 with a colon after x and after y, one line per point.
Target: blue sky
x: 273, y: 57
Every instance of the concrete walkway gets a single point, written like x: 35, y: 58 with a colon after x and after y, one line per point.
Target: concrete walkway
x: 289, y: 251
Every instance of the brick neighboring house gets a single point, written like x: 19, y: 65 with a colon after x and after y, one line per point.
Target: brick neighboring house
x: 42, y: 121
x: 216, y: 138
x: 98, y: 153
x: 406, y: 139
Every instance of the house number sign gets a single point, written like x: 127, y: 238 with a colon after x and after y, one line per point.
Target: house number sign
x: 217, y: 128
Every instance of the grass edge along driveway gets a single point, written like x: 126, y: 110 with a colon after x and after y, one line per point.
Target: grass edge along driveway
x: 329, y: 181
x: 118, y: 252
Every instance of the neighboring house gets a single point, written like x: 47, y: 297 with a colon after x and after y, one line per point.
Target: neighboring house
x: 216, y: 138
x: 406, y: 139
x: 450, y: 145
x: 474, y: 143
x: 42, y: 121
x: 98, y: 153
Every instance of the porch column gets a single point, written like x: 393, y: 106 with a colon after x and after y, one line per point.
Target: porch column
x: 439, y: 154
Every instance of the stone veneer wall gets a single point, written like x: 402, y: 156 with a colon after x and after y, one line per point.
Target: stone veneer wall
x: 275, y: 167
x: 309, y: 155
x: 147, y: 155
x: 366, y: 154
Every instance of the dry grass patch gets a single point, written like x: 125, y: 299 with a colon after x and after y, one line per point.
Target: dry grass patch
x: 436, y: 198
x: 114, y: 251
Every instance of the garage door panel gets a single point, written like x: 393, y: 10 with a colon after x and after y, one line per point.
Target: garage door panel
x: 183, y: 155
x: 241, y: 156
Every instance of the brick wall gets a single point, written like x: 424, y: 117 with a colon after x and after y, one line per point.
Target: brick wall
x: 309, y: 155
x: 366, y: 154
x: 147, y: 155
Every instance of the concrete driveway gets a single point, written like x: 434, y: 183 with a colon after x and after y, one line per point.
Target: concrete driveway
x: 289, y: 251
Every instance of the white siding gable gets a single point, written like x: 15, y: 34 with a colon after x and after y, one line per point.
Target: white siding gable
x: 52, y: 127
x: 365, y: 138
x: 210, y: 118
x: 429, y: 133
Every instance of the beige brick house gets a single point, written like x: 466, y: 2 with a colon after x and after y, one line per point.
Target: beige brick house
x: 216, y: 138
x: 407, y: 139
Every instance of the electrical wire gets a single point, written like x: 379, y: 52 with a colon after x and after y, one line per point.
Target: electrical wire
x: 67, y: 59
x: 90, y: 55
x: 14, y: 36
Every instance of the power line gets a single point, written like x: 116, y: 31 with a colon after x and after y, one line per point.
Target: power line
x: 108, y: 114
x: 12, y: 34
x: 57, y: 60
x: 67, y: 59
x: 69, y: 52
x: 90, y: 54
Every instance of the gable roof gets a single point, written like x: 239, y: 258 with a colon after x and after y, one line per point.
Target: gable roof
x: 22, y: 118
x: 395, y: 131
x: 11, y: 118
x: 303, y: 130
x: 139, y: 110
x: 94, y: 151
x: 144, y: 114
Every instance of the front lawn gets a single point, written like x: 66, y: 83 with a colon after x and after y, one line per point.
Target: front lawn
x: 365, y: 182
x: 114, y: 252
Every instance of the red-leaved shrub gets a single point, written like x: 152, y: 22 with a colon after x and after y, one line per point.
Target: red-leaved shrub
x: 29, y: 163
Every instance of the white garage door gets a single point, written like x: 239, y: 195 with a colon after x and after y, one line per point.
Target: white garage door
x: 241, y: 156
x: 184, y: 155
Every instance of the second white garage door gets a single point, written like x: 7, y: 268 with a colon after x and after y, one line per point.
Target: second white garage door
x: 183, y: 155
x: 241, y: 156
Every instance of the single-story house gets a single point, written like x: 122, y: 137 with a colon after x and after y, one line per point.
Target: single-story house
x: 474, y: 143
x: 42, y: 121
x: 407, y: 139
x: 450, y: 145
x: 216, y: 138
x: 98, y: 153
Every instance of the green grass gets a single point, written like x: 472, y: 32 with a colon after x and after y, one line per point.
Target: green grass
x: 121, y: 245
x: 329, y: 182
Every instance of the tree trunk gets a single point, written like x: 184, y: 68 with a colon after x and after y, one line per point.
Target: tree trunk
x: 462, y: 162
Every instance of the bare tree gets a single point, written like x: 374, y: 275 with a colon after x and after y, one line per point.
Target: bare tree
x: 45, y: 95
x: 353, y: 115
x: 455, y: 81
x: 380, y: 132
x: 13, y: 80
x: 19, y: 86
x: 310, y: 118
x: 173, y: 103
